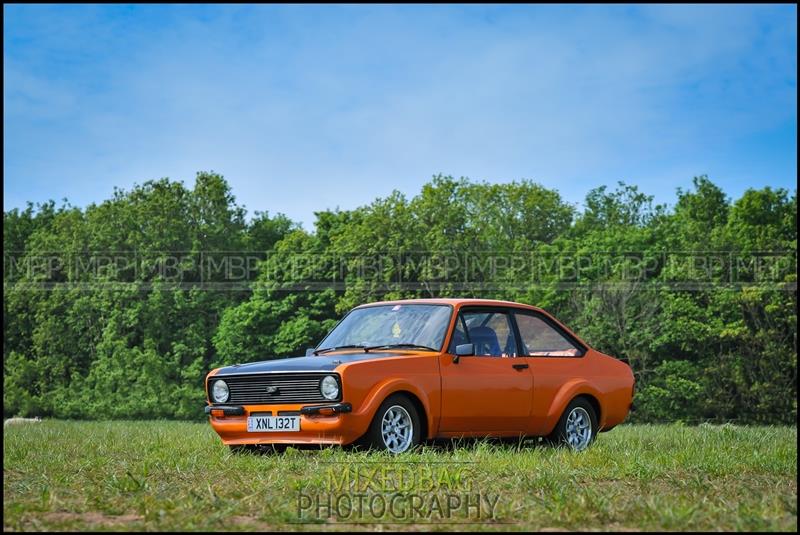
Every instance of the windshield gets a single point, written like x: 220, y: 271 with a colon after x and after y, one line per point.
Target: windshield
x: 420, y: 326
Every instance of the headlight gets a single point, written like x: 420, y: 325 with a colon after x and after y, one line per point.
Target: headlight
x: 220, y: 392
x: 329, y: 387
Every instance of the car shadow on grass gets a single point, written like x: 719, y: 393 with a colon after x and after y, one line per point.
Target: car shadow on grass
x: 435, y: 445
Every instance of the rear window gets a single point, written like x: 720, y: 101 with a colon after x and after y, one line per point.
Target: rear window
x: 540, y: 339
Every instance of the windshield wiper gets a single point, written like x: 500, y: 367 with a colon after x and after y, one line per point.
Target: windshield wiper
x: 329, y: 349
x: 395, y: 346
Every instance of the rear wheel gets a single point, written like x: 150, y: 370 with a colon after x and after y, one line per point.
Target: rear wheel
x: 396, y: 426
x: 577, y: 427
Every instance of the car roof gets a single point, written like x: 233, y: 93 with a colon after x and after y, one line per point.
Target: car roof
x: 456, y: 301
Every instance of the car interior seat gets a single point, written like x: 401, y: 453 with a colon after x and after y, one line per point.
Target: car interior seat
x: 485, y: 340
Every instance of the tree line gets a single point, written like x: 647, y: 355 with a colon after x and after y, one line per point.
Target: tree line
x: 119, y: 309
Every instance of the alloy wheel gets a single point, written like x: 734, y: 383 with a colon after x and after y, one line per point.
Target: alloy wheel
x: 578, y: 429
x: 397, y: 429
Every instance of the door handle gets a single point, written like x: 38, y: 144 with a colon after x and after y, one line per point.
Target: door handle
x: 519, y: 366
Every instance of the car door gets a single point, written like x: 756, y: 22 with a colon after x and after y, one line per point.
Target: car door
x: 555, y: 357
x: 490, y: 391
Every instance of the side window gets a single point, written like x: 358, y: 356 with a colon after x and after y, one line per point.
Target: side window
x: 491, y: 333
x: 539, y: 339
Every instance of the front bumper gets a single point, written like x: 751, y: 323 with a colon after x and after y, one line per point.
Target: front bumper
x: 339, y: 408
x: 319, y: 424
x: 227, y: 410
x: 239, y: 410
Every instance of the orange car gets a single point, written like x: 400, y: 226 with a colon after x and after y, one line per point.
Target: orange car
x: 394, y: 374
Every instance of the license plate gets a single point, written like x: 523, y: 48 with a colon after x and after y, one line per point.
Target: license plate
x: 273, y: 424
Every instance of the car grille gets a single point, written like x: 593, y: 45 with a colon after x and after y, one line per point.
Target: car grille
x: 291, y: 388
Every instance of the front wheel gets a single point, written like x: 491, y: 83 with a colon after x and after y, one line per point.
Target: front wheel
x: 396, y: 426
x: 577, y: 427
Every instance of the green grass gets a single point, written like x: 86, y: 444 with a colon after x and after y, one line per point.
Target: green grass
x: 178, y: 476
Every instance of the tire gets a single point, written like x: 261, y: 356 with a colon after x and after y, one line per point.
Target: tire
x: 578, y: 421
x: 396, y: 426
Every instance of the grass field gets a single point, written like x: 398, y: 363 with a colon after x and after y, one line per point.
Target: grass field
x: 170, y: 476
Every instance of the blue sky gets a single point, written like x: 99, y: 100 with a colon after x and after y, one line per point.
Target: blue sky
x: 311, y: 107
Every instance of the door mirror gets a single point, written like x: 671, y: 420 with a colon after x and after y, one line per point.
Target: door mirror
x: 310, y: 351
x: 464, y: 350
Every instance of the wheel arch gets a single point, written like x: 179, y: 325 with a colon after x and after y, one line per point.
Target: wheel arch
x: 594, y: 402
x: 569, y: 392
x: 417, y: 398
x: 423, y: 415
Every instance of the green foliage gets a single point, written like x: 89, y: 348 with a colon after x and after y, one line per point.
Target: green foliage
x: 124, y: 339
x: 674, y: 392
x: 711, y: 340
